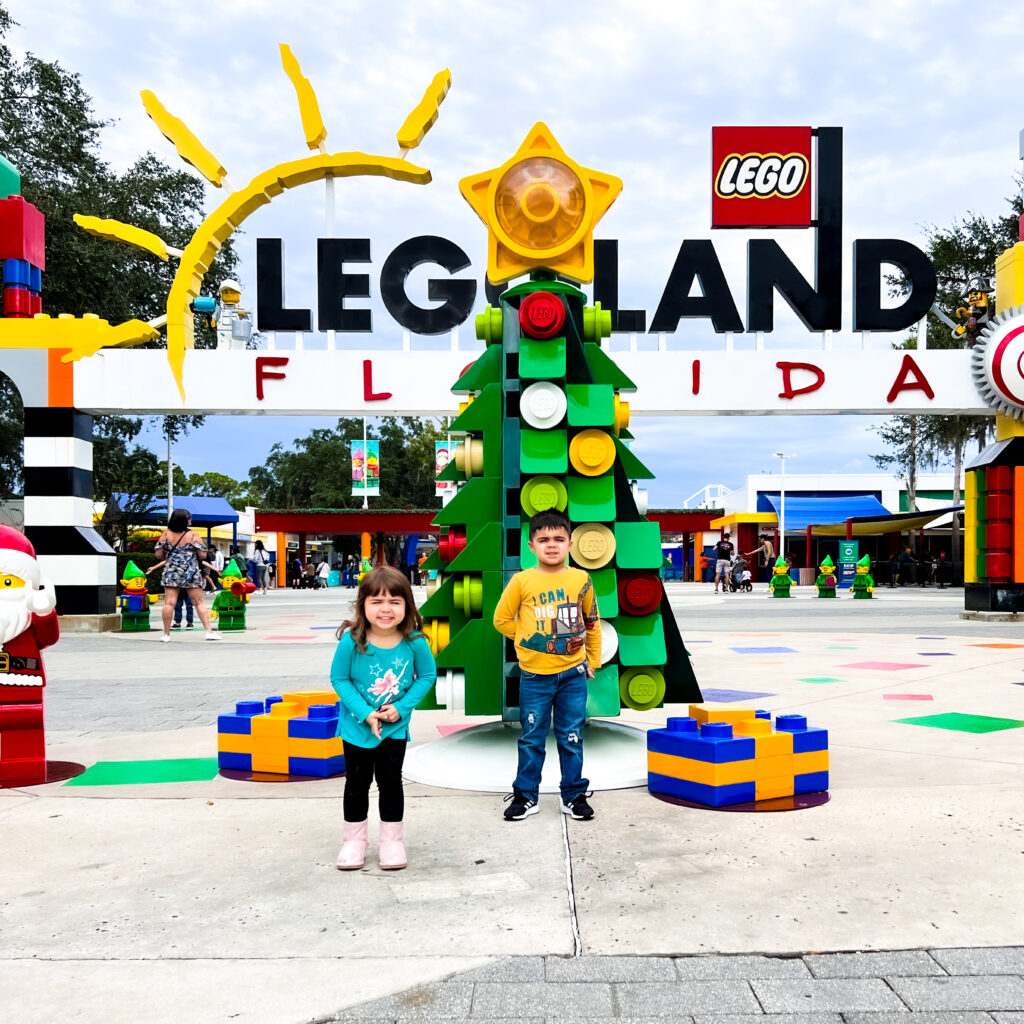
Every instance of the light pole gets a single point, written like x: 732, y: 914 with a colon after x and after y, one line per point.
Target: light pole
x: 782, y: 503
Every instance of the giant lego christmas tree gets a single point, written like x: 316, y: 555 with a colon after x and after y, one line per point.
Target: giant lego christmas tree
x: 545, y: 425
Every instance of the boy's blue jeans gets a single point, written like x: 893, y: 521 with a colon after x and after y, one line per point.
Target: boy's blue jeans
x: 565, y: 693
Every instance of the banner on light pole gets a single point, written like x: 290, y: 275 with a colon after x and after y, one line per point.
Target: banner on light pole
x: 365, y: 468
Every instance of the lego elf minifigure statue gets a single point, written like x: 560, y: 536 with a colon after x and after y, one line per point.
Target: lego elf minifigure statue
x: 863, y: 585
x: 826, y: 582
x: 134, y: 601
x: 229, y: 604
x: 781, y: 581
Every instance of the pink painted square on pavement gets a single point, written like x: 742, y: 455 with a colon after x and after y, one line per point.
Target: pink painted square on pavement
x: 883, y: 666
x: 907, y: 696
x: 447, y: 730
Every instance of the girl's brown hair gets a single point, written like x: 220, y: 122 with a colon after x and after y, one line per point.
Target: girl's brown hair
x: 382, y: 580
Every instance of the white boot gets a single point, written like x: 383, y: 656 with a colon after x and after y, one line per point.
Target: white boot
x: 353, y: 846
x: 392, y: 846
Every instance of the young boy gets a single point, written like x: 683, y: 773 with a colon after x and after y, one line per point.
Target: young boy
x: 550, y: 612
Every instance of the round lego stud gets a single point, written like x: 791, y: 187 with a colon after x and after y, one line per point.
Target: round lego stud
x: 592, y: 452
x: 469, y: 457
x: 609, y: 642
x: 642, y: 688
x: 323, y: 710
x: 271, y: 701
x: 639, y: 497
x: 540, y: 493
x: 593, y: 545
x: 681, y: 724
x: 597, y: 322
x: 488, y: 325
x: 639, y: 592
x: 716, y: 731
x: 621, y: 415
x: 285, y: 709
x: 540, y: 207
x: 766, y: 715
x: 790, y: 723
x: 451, y: 544
x: 469, y: 595
x: 436, y: 632
x: 541, y: 315
x: 542, y: 405
x: 249, y: 707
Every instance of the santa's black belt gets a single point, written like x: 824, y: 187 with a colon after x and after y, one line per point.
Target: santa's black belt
x: 11, y: 663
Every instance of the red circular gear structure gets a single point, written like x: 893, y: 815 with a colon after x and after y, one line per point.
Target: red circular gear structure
x: 639, y: 592
x: 541, y: 315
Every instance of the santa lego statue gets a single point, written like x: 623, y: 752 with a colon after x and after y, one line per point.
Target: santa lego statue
x: 28, y: 623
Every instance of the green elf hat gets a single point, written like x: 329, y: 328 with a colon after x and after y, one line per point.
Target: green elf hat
x: 132, y: 572
x: 865, y: 561
x: 233, y: 569
x: 780, y: 563
x: 827, y: 562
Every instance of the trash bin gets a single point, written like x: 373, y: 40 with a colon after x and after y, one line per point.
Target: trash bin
x: 334, y: 578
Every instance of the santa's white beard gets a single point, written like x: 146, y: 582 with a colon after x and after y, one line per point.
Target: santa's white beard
x: 15, y: 614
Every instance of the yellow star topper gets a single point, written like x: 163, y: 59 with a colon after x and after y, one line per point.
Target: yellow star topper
x: 540, y: 208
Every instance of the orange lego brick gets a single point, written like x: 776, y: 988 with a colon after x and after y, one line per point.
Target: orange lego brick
x: 760, y: 728
x: 705, y: 773
x: 234, y: 743
x: 810, y: 761
x: 770, y: 789
x: 775, y: 745
x: 286, y: 709
x: 275, y: 745
x: 273, y: 765
x: 773, y: 767
x: 320, y: 749
x: 720, y: 713
x: 306, y: 697
x: 269, y: 725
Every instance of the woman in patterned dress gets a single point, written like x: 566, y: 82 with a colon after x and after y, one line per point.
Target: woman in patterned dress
x: 181, y: 549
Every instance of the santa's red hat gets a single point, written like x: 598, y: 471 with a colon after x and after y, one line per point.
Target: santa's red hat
x: 17, y: 556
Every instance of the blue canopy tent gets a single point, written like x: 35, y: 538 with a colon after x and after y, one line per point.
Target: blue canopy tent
x: 803, y: 511
x: 205, y: 512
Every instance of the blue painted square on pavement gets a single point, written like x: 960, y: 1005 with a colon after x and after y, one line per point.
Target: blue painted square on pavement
x: 763, y: 650
x: 732, y: 696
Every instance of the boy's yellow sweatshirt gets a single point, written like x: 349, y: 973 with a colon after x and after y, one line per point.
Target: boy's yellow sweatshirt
x: 552, y: 617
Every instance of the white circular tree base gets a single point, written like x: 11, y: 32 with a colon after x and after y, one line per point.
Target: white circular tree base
x: 484, y: 758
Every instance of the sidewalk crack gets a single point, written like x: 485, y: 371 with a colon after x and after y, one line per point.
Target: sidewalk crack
x: 570, y: 891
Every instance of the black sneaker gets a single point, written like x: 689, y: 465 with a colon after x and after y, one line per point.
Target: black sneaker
x: 176, y: 625
x: 188, y: 625
x: 520, y: 807
x: 578, y: 808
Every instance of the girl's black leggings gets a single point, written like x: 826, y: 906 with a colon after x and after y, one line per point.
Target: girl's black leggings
x: 362, y: 765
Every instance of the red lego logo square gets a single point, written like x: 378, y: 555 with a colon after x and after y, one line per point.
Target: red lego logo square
x: 760, y: 177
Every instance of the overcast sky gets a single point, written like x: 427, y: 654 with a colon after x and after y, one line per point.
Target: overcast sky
x: 924, y: 91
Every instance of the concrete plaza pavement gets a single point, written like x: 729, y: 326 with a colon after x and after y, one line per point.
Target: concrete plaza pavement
x: 217, y: 900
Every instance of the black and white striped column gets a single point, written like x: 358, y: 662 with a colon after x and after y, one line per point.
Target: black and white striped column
x: 58, y: 511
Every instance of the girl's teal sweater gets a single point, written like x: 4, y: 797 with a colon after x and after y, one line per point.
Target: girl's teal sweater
x: 400, y: 676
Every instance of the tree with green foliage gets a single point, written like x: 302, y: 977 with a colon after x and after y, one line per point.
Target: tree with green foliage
x: 50, y: 132
x: 967, y: 249
x: 317, y: 471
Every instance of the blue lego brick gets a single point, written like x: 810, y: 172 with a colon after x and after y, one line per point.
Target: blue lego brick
x: 313, y: 728
x: 321, y: 767
x: 238, y: 762
x: 17, y: 273
x: 240, y: 722
x: 711, y: 796
x: 811, y: 782
x: 806, y: 740
x: 665, y: 741
x: 35, y: 279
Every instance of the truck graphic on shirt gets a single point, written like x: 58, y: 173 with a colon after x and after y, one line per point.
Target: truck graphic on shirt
x: 566, y: 636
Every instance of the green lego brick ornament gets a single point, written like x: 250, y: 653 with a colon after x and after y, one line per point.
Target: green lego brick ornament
x: 781, y: 581
x: 826, y: 582
x: 863, y: 585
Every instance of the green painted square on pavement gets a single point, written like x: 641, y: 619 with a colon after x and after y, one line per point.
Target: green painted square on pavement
x: 820, y: 679
x: 603, y: 692
x: 607, y: 589
x: 543, y: 451
x: 958, y: 722
x: 541, y: 360
x: 591, y: 405
x: 592, y: 499
x: 638, y: 545
x: 136, y: 773
x: 641, y: 639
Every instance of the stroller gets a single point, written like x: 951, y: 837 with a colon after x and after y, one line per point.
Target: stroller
x: 740, y: 578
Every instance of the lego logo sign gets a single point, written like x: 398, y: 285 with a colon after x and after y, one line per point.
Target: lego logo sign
x: 761, y: 177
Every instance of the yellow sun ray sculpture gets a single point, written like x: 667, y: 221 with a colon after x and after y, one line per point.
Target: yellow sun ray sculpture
x: 87, y: 335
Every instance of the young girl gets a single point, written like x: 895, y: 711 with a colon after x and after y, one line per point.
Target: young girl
x: 382, y: 669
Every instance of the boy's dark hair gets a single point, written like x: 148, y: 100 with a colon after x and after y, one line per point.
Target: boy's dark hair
x: 549, y: 519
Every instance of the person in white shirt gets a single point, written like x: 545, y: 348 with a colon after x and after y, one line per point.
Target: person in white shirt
x: 262, y: 560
